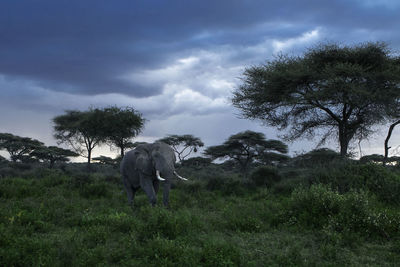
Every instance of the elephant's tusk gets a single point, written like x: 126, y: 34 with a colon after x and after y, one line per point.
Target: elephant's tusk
x: 180, y: 177
x: 158, y: 176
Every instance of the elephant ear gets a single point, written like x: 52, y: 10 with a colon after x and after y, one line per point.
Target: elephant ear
x: 144, y: 164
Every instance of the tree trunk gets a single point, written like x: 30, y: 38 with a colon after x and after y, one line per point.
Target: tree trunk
x: 122, y: 151
x: 387, y: 141
x: 88, y: 158
x: 343, y: 140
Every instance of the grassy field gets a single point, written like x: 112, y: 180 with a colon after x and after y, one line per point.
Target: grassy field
x: 67, y: 220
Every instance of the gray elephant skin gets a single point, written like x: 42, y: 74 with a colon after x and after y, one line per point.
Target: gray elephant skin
x: 146, y: 167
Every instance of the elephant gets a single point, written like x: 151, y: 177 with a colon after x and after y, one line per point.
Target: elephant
x: 145, y: 167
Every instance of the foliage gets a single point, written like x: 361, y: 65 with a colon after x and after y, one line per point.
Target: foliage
x: 265, y: 176
x: 121, y: 125
x: 197, y: 162
x: 245, y: 148
x: 319, y: 207
x: 55, y: 219
x: 82, y: 130
x: 104, y: 160
x: 183, y: 145
x: 339, y: 90
x: 18, y: 147
x: 317, y: 157
x: 374, y: 158
x: 52, y: 154
x: 376, y: 179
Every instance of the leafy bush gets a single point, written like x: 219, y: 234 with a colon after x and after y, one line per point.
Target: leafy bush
x: 265, y: 176
x: 95, y: 190
x: 164, y: 223
x: 313, y: 207
x: 165, y: 252
x: 320, y: 207
x: 377, y: 179
x: 318, y: 157
x: 220, y: 253
x: 79, y: 180
x: 242, y: 218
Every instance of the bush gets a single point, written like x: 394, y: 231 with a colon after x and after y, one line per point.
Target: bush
x: 95, y: 190
x: 320, y: 207
x: 219, y: 253
x: 226, y: 186
x: 164, y: 252
x: 313, y: 207
x: 244, y: 218
x: 265, y: 176
x: 164, y: 223
x: 318, y: 157
x: 377, y: 179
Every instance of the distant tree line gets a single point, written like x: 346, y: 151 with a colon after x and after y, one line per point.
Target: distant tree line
x: 27, y: 150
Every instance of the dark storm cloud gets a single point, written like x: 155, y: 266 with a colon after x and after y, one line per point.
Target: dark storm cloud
x: 84, y: 47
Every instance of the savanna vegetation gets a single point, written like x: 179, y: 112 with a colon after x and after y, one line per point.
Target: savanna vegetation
x: 321, y: 211
x: 247, y: 202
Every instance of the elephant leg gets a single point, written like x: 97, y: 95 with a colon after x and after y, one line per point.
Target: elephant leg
x: 156, y: 186
x: 147, y: 186
x: 130, y: 191
x: 166, y: 188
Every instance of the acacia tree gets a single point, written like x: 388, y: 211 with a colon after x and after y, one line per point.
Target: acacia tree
x: 393, y: 113
x: 18, y: 147
x: 81, y: 130
x: 183, y: 145
x: 245, y: 148
x: 52, y: 154
x: 338, y: 90
x: 122, y: 125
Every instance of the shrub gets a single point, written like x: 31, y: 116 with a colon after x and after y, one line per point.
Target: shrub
x: 377, y: 179
x: 265, y: 176
x: 95, y: 190
x: 164, y: 252
x: 320, y: 207
x: 81, y: 179
x: 220, y: 253
x: 161, y: 222
x: 242, y: 218
x: 227, y: 186
x: 314, y: 206
x: 318, y: 157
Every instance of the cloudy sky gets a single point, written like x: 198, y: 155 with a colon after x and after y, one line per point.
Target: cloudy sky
x: 177, y: 62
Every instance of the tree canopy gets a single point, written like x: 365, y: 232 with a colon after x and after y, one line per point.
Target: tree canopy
x: 336, y: 91
x: 245, y: 148
x: 122, y: 124
x: 18, y: 147
x: 183, y: 145
x: 81, y: 130
x: 53, y: 154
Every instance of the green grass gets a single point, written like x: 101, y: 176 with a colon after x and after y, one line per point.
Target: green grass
x: 85, y: 221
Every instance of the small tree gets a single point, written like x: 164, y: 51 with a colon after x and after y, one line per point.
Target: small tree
x: 81, y: 130
x: 393, y: 114
x: 18, y: 147
x: 52, y: 154
x: 122, y: 125
x: 104, y: 160
x: 335, y: 90
x: 183, y: 145
x: 245, y: 148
